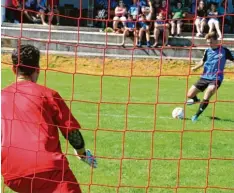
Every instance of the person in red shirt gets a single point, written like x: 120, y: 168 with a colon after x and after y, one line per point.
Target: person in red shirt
x: 31, y: 155
x: 53, y: 6
x: 163, y: 9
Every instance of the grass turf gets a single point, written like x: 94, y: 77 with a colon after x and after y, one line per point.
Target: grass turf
x: 140, y: 148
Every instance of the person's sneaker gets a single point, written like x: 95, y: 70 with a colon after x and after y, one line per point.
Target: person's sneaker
x: 16, y: 21
x: 155, y: 45
x: 194, y: 118
x: 148, y: 44
x: 139, y: 44
x: 201, y: 35
x: 198, y: 34
x: 191, y: 101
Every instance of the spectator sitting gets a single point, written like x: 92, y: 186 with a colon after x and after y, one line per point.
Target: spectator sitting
x: 193, y: 6
x: 147, y: 10
x: 200, y: 21
x: 157, y: 5
x: 120, y: 12
x: 102, y: 14
x: 217, y: 2
x: 213, y: 20
x: 130, y: 29
x: 161, y: 26
x: 42, y: 8
x: 163, y: 9
x: 134, y: 9
x: 103, y: 5
x: 29, y: 5
x: 227, y: 18
x: 177, y: 15
x: 54, y: 9
x: 145, y: 23
x: 144, y: 27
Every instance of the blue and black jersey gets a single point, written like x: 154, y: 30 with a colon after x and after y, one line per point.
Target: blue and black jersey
x: 215, y: 61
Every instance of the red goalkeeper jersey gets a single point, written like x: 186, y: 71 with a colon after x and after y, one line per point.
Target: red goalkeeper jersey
x: 31, y: 116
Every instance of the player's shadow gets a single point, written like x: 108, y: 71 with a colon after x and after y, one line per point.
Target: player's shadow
x: 219, y: 119
x: 186, y: 119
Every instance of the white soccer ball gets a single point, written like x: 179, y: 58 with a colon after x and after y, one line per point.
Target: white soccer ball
x: 178, y: 113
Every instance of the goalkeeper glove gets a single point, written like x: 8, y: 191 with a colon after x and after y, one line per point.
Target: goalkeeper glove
x: 88, y: 158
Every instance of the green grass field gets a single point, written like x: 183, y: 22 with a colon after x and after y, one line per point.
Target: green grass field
x: 140, y: 147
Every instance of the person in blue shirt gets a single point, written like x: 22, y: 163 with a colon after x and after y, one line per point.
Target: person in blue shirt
x: 214, y: 61
x: 134, y: 10
x: 41, y: 7
x: 130, y: 30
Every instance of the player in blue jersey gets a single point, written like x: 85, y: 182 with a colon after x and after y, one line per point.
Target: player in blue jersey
x: 214, y: 61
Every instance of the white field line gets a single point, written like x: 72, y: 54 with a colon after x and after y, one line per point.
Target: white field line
x: 124, y: 115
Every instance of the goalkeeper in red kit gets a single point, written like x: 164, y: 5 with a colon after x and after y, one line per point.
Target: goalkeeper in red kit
x: 31, y: 157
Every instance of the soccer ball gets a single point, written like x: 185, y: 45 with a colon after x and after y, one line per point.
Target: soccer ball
x: 178, y: 113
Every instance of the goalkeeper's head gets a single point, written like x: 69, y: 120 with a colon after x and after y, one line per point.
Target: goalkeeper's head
x: 26, y: 62
x: 212, y: 39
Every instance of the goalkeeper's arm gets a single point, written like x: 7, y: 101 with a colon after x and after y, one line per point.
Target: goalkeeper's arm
x: 76, y: 140
x: 63, y: 117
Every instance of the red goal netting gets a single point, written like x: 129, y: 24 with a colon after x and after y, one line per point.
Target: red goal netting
x: 138, y: 146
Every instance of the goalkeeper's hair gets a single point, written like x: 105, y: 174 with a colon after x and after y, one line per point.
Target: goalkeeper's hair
x: 212, y: 35
x: 26, y: 59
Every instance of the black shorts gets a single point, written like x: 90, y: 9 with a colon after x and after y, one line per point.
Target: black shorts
x: 202, y: 83
x: 131, y: 33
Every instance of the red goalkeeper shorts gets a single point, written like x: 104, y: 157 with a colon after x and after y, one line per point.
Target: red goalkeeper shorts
x: 46, y: 182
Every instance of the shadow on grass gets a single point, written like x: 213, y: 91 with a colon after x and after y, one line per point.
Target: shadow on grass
x: 219, y: 119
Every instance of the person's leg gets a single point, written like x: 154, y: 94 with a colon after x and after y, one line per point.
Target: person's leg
x: 198, y: 26
x: 147, y: 34
x: 156, y: 35
x: 28, y: 16
x: 179, y: 24
x: 210, y: 91
x: 211, y: 26
x: 166, y: 35
x: 199, y: 86
x: 46, y: 182
x: 50, y: 18
x: 42, y: 15
x: 192, y: 95
x: 136, y: 35
x: 173, y: 26
x: 17, y: 15
x: 56, y: 11
x: 141, y: 32
x: 123, y: 20
x: 20, y: 184
x: 115, y: 22
x: 125, y: 34
x: 69, y: 184
x: 203, y: 24
x: 218, y: 29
